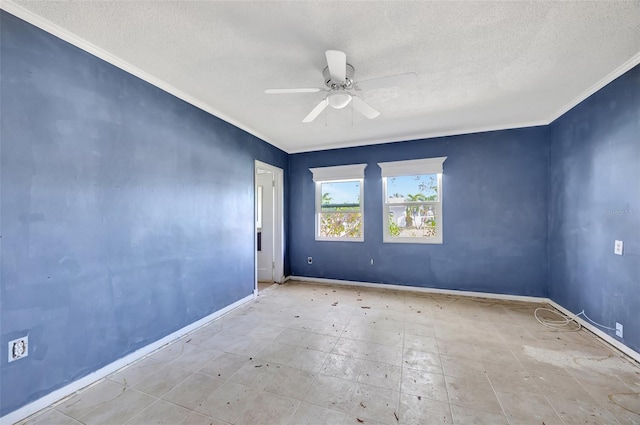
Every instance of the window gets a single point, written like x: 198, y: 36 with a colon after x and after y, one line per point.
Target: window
x: 339, y: 200
x: 412, y: 197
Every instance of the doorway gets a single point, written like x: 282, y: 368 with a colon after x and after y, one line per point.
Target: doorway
x: 269, y: 225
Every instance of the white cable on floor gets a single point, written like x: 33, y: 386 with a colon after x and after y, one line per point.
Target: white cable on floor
x: 565, y: 320
x: 595, y: 323
x: 557, y: 324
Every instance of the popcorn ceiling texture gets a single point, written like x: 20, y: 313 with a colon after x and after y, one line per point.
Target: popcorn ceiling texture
x: 480, y: 65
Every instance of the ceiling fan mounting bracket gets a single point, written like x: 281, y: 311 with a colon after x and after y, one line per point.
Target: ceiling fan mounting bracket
x: 348, y: 82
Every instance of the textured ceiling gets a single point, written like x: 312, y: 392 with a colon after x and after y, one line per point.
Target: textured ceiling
x: 480, y: 65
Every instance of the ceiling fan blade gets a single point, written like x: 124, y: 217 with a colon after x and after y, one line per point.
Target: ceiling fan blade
x: 364, y: 108
x: 316, y: 111
x: 399, y: 80
x: 286, y: 91
x: 337, y: 62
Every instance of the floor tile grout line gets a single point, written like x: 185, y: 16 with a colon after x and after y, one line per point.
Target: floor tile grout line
x: 590, y: 395
x: 125, y: 388
x: 554, y: 409
x: 324, y: 407
x: 333, y: 348
x: 119, y: 395
x: 50, y: 409
x: 593, y: 398
x: 404, y: 336
x: 35, y: 415
x: 191, y: 372
x: 80, y: 391
x: 293, y: 415
x: 128, y: 421
x: 444, y: 378
x: 225, y: 380
x: 495, y: 394
x: 538, y: 387
x: 176, y: 404
x: 54, y: 405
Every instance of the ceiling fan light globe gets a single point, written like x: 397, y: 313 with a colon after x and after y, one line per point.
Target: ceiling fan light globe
x: 339, y: 100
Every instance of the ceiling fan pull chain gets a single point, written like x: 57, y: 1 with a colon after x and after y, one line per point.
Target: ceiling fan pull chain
x: 351, y: 114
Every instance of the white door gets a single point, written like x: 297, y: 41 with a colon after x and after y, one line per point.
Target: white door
x: 264, y: 224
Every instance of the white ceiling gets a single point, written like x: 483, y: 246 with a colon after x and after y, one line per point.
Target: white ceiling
x: 480, y: 65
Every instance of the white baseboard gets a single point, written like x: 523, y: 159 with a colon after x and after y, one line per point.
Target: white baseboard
x: 67, y: 390
x: 421, y: 289
x: 599, y: 333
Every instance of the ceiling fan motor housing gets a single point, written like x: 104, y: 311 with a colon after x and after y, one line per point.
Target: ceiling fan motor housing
x: 348, y: 83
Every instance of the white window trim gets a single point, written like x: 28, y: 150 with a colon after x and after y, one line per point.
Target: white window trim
x: 340, y: 173
x: 412, y: 167
x: 409, y: 168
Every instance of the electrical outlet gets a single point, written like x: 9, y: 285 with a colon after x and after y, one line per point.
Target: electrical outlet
x: 619, y: 329
x: 18, y: 348
x: 617, y: 248
x: 372, y: 261
x: 309, y: 260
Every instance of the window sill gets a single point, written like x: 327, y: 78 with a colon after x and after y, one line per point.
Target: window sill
x: 433, y: 241
x: 339, y: 239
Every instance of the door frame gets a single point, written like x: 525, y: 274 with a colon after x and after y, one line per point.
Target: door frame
x: 278, y: 223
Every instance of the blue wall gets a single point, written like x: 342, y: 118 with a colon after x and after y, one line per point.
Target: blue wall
x: 494, y: 206
x: 594, y: 200
x: 126, y: 213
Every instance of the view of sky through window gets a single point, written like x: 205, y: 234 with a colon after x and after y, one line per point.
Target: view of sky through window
x: 336, y: 193
x: 413, y: 188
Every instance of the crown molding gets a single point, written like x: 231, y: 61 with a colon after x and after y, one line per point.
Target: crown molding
x: 628, y: 65
x: 81, y: 43
x: 419, y: 136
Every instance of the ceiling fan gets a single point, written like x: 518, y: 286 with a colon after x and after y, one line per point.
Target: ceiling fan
x: 338, y: 77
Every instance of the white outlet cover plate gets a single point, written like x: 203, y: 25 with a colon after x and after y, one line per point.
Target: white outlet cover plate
x: 617, y: 248
x: 619, y: 329
x: 18, y: 348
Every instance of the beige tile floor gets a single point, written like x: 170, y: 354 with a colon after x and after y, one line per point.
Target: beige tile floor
x: 309, y: 354
x: 264, y: 285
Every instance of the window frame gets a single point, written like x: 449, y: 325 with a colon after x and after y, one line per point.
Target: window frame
x: 337, y: 174
x: 414, y: 167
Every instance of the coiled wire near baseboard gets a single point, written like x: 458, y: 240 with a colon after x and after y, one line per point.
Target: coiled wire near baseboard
x: 564, y: 322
